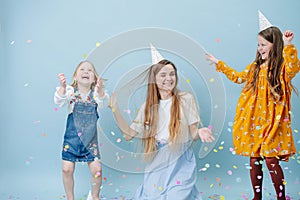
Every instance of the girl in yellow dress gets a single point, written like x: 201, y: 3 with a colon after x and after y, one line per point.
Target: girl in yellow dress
x: 262, y: 125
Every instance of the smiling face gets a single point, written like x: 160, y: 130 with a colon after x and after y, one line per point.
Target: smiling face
x: 264, y: 47
x: 166, y: 79
x: 85, y: 74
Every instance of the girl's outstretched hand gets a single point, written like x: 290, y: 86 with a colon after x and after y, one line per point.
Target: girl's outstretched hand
x: 287, y: 37
x: 211, y: 58
x: 206, y: 135
x: 99, y: 87
x: 62, y: 80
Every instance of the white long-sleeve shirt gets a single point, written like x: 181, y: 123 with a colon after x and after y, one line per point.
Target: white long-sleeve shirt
x: 61, y: 101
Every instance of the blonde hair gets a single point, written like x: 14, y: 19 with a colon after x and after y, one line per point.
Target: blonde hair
x: 96, y: 76
x: 151, y: 111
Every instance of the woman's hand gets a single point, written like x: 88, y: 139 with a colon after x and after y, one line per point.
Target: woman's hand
x: 211, y: 58
x: 113, y: 101
x: 287, y: 37
x: 206, y: 135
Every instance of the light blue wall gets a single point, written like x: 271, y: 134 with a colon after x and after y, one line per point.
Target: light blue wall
x: 40, y: 39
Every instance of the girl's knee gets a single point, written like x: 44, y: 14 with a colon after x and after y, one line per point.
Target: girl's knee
x: 67, y: 170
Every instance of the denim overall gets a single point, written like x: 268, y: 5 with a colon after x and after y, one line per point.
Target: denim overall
x: 80, y: 139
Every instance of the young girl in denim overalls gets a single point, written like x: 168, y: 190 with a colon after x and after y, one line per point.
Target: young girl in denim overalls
x: 84, y: 97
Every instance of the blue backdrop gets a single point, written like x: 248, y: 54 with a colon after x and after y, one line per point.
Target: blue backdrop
x: 40, y: 39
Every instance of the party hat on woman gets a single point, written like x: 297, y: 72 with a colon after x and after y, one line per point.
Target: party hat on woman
x: 156, y: 56
x: 263, y: 22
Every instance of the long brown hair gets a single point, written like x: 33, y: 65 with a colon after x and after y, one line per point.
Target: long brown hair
x: 74, y: 83
x: 274, y: 62
x: 151, y: 111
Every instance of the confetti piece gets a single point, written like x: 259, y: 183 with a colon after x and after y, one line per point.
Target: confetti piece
x: 218, y: 40
x: 79, y: 134
x: 112, y: 133
x: 229, y: 172
x: 29, y: 41
x: 259, y: 177
x: 295, y: 130
x: 218, y: 166
x: 205, y: 148
x: 98, y: 44
x: 55, y: 109
x: 278, y: 117
x: 26, y: 84
x: 118, y: 140
x: 160, y: 188
x: 84, y: 56
x: 12, y: 42
x: 188, y: 80
x: 207, y: 165
x: 178, y: 182
x: 211, y: 80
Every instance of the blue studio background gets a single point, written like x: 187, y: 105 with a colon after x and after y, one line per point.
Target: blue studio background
x: 40, y: 39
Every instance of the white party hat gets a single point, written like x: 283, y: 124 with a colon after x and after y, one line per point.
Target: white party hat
x: 263, y: 22
x: 156, y: 57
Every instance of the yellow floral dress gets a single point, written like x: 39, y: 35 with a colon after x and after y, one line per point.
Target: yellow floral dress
x: 262, y: 127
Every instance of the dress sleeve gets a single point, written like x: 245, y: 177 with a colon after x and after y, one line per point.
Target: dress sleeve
x: 292, y: 63
x: 138, y: 123
x: 233, y: 75
x: 190, y: 109
x: 63, y: 100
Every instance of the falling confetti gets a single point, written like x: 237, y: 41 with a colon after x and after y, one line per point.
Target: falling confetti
x: 98, y: 44
x: 229, y: 172
x: 188, y: 80
x: 12, y: 42
x: 211, y: 80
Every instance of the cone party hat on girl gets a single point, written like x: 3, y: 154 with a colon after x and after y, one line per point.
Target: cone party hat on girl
x: 156, y: 57
x: 263, y: 22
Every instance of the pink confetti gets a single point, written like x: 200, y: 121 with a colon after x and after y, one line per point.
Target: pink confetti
x: 229, y: 172
x: 79, y: 134
x: 55, y: 109
x: 178, y: 182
